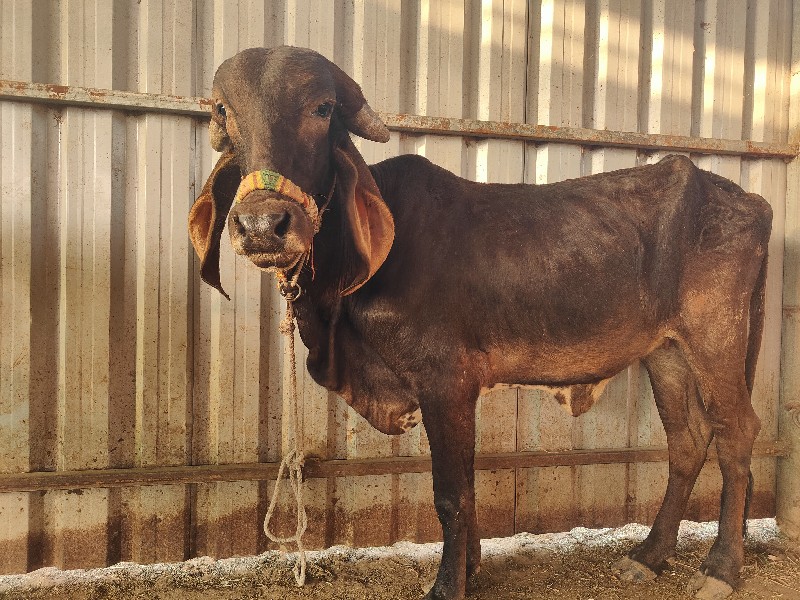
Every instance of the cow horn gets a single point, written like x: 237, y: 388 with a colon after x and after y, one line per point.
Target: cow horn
x: 367, y: 124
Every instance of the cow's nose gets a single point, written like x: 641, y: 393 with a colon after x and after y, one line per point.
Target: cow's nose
x: 261, y: 229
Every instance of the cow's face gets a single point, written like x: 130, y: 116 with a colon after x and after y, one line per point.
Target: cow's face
x: 281, y: 118
x: 274, y: 110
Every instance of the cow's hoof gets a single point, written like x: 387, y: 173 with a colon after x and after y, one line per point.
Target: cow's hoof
x: 705, y: 587
x: 628, y: 569
x: 433, y: 596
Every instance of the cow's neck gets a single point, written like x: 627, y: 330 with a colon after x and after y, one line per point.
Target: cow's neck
x: 319, y: 308
x: 317, y: 328
x: 322, y: 313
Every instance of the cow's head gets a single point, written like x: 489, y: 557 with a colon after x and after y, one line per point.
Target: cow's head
x: 281, y: 118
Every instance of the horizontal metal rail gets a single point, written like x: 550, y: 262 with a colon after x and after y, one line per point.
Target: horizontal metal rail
x: 65, y: 95
x: 177, y: 475
x: 61, y: 95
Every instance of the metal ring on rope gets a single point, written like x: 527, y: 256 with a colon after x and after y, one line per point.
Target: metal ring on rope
x: 290, y: 291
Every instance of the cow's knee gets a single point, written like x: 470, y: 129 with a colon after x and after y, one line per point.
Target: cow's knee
x: 735, y: 437
x: 742, y: 423
x: 452, y: 512
x: 750, y: 424
x: 688, y: 454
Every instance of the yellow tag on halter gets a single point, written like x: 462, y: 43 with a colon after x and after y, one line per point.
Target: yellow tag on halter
x: 275, y: 182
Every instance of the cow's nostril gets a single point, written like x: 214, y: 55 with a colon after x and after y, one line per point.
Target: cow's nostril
x: 282, y: 224
x: 237, y: 224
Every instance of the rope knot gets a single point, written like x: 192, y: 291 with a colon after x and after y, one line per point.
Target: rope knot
x: 292, y: 463
x: 286, y: 326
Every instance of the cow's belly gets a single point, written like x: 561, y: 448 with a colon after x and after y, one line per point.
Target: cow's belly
x: 575, y: 374
x: 575, y: 399
x: 547, y: 360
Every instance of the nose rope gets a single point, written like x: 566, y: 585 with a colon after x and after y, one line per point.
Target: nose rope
x: 275, y: 182
x: 294, y: 460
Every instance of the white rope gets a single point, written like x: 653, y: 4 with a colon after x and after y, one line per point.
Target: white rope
x: 293, y: 460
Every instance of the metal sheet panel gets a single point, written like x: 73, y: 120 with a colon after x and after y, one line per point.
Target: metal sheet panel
x: 113, y: 355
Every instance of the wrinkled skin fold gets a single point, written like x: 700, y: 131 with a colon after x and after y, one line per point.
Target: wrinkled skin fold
x: 427, y: 288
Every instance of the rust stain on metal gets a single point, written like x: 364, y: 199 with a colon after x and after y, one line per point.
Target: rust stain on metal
x: 13, y: 85
x: 57, y: 90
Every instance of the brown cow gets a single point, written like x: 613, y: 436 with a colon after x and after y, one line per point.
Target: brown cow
x: 426, y: 288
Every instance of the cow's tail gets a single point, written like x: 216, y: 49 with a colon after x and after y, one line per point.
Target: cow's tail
x: 756, y: 328
x: 748, y: 498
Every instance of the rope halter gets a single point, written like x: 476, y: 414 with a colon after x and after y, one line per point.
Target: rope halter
x: 275, y: 182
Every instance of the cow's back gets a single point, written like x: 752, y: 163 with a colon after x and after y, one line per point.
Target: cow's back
x: 548, y: 274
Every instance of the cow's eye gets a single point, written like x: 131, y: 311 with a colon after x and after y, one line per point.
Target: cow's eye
x: 221, y: 109
x: 324, y: 110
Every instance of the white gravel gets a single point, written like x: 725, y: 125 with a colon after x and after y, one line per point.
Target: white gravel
x: 760, y: 531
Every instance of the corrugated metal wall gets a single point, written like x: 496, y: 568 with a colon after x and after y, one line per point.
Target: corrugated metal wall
x: 113, y: 356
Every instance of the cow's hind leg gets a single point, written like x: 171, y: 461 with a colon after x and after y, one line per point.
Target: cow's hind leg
x: 688, y: 435
x: 735, y: 428
x: 714, y: 337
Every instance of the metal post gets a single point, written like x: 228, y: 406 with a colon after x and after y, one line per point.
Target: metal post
x: 788, y: 484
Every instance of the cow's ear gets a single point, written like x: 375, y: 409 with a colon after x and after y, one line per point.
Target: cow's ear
x: 367, y: 219
x: 208, y: 214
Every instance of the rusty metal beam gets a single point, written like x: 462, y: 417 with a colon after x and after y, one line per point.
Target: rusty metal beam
x: 60, y: 95
x: 112, y: 478
x: 587, y: 137
x: 64, y: 95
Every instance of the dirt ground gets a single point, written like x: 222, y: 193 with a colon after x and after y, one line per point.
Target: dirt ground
x: 573, y: 565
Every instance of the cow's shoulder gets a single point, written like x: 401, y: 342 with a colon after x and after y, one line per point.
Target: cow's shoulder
x: 678, y: 162
x: 407, y: 169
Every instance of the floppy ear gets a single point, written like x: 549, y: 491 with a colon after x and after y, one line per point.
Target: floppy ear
x: 208, y: 214
x: 366, y: 217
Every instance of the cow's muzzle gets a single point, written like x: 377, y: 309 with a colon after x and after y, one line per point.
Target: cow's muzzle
x: 272, y: 221
x: 271, y: 232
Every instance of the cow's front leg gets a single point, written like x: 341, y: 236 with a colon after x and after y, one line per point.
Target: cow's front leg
x: 450, y: 424
x: 473, y: 537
